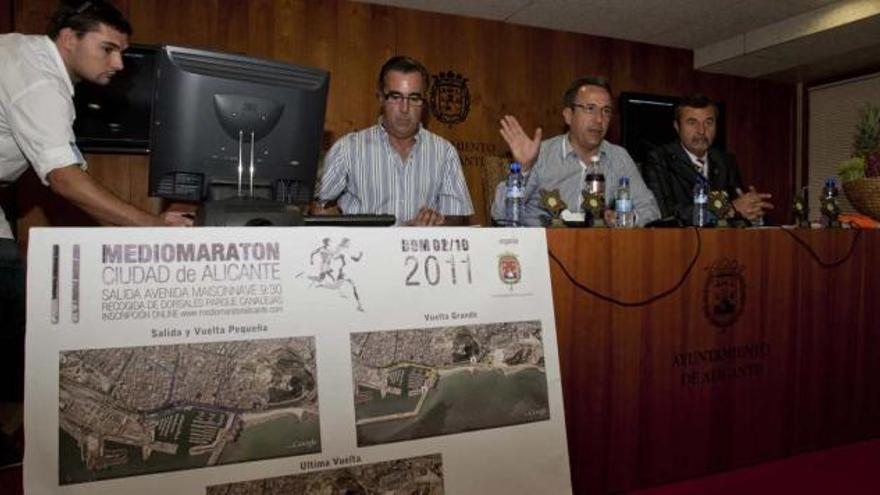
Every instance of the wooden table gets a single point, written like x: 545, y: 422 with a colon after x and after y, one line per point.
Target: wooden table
x: 761, y: 352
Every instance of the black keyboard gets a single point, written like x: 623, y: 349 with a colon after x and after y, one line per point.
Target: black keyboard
x: 361, y: 220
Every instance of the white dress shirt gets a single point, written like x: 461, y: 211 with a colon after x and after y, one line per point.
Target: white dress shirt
x: 36, y: 111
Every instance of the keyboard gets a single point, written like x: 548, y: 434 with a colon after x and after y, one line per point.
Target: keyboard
x: 360, y: 220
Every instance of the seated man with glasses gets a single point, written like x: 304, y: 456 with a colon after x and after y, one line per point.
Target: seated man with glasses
x: 397, y: 166
x: 561, y: 162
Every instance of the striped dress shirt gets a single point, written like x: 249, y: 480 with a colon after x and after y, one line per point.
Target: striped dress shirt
x: 559, y: 167
x: 364, y: 174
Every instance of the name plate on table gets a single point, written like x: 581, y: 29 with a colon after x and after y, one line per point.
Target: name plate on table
x: 291, y: 360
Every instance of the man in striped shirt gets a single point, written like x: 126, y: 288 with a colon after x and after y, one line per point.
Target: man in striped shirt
x: 397, y: 166
x: 560, y: 163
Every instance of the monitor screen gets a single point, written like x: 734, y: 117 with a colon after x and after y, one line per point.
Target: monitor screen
x: 116, y: 118
x: 646, y: 122
x: 227, y: 126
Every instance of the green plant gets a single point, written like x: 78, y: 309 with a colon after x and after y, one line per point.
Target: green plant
x: 865, y: 161
x: 867, y: 138
x: 851, y: 169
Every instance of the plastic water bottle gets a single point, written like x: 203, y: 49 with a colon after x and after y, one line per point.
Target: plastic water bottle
x: 701, y: 204
x: 513, y: 197
x: 623, y: 205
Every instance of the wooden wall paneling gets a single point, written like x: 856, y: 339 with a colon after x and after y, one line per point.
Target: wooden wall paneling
x: 260, y: 28
x: 872, y: 338
x: 814, y: 385
x: 591, y: 56
x: 865, y: 353
x: 524, y: 81
x: 820, y: 348
x: 638, y: 67
x: 662, y: 331
x: 592, y: 267
x: 628, y: 259
x: 573, y: 348
x: 477, y: 138
x: 850, y: 330
x: 32, y: 16
x: 6, y: 17
x: 138, y: 171
x: 449, y: 44
x: 210, y: 24
x: 127, y: 176
x: 511, y: 69
x: 760, y: 132
x: 675, y: 432
x: 584, y: 330
x: 838, y: 363
x: 113, y: 172
x: 772, y: 298
x: 38, y: 206
x: 362, y: 41
x: 552, y: 62
x: 695, y: 414
x: 757, y: 415
x: 847, y: 334
x: 811, y: 318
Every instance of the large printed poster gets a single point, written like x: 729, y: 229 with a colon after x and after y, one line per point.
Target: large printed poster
x: 292, y: 360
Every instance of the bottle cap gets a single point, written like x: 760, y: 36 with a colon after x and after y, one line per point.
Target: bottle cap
x: 624, y: 181
x: 515, y: 167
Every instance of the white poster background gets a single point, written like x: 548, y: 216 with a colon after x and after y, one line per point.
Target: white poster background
x: 525, y: 458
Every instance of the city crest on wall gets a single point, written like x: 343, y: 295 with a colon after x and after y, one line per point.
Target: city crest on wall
x: 450, y: 98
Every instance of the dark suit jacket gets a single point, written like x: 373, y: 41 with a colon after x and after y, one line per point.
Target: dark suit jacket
x: 671, y: 176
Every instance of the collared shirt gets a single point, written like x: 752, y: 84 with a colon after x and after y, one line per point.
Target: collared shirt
x: 365, y: 174
x: 700, y: 162
x: 36, y: 110
x: 559, y: 167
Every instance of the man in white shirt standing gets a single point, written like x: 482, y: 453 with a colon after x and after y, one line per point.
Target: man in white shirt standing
x: 84, y: 41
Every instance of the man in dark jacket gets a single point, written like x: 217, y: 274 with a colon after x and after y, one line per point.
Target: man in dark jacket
x: 671, y: 171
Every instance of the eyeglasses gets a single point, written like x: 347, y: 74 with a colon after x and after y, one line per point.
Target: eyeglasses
x: 593, y: 110
x: 397, y: 97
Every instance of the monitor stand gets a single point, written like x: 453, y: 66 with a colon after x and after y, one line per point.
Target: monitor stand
x: 248, y: 212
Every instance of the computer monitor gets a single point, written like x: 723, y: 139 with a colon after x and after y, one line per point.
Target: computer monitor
x: 116, y: 118
x: 228, y: 126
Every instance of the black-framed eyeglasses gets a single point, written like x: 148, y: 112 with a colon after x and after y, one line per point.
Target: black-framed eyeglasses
x: 592, y: 110
x: 414, y: 99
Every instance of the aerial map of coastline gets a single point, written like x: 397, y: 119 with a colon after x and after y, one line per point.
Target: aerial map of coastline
x: 137, y: 410
x: 438, y: 381
x: 412, y: 476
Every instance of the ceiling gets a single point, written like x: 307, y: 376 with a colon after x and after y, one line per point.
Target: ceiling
x: 782, y: 40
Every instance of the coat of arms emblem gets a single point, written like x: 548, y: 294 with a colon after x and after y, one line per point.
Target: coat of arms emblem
x: 450, y: 98
x: 509, y: 269
x: 724, y: 296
